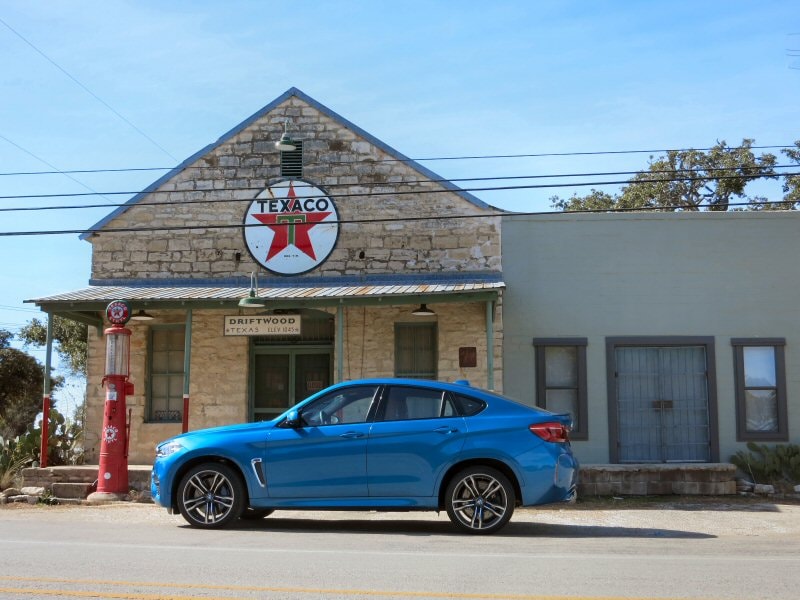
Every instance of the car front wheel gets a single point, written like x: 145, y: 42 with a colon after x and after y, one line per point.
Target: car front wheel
x: 211, y: 495
x: 480, y: 500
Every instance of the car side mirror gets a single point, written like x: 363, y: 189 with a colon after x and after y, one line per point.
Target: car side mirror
x: 293, y: 420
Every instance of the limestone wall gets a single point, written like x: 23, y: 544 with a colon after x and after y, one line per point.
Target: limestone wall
x: 219, y: 390
x: 364, y: 181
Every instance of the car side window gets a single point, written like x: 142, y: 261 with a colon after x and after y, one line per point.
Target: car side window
x: 408, y: 403
x: 348, y: 405
x: 470, y: 406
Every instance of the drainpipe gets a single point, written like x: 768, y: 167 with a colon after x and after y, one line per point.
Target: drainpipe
x: 46, y: 393
x: 187, y: 362
x: 489, y: 344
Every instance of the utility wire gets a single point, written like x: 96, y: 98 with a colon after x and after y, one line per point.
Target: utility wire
x: 7, y: 307
x: 86, y: 89
x: 65, y: 173
x: 209, y: 226
x: 349, y: 195
x: 488, y: 156
x: 760, y: 173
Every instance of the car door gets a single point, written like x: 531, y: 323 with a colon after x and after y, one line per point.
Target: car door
x: 326, y: 455
x: 416, y: 435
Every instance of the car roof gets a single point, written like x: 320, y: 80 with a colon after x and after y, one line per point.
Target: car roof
x: 457, y: 387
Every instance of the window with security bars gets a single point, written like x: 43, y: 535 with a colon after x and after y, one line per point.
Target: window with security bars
x: 292, y: 160
x: 561, y: 380
x: 415, y: 350
x: 761, y: 411
x: 165, y: 390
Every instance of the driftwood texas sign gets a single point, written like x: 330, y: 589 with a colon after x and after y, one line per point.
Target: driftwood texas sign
x: 263, y: 325
x: 291, y: 227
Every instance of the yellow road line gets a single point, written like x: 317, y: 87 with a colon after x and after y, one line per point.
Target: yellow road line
x: 274, y: 590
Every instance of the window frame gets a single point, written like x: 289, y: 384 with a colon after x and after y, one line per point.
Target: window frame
x: 778, y: 346
x: 150, y: 350
x: 581, y: 432
x: 433, y: 326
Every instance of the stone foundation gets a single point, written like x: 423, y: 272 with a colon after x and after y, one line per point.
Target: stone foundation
x: 706, y: 479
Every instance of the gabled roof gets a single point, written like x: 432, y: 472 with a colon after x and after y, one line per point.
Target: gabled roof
x: 250, y: 120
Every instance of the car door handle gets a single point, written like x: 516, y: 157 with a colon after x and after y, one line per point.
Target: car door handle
x: 446, y: 429
x: 352, y: 435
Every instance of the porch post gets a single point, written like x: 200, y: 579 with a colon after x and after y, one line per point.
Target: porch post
x: 490, y: 344
x: 339, y: 343
x: 46, y: 393
x: 187, y: 364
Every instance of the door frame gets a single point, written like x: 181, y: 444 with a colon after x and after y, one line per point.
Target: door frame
x: 612, y: 343
x: 281, y: 349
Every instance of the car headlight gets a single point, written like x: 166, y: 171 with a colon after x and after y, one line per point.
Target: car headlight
x: 167, y: 448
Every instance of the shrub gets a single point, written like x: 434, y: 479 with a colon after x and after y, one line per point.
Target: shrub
x: 778, y: 465
x: 65, y: 438
x: 12, y: 460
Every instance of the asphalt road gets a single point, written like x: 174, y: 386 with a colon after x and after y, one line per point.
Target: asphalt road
x: 698, y: 549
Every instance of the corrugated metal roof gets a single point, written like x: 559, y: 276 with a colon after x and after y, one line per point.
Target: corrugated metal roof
x: 107, y: 293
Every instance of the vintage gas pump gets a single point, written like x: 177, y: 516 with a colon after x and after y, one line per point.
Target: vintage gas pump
x: 112, y: 480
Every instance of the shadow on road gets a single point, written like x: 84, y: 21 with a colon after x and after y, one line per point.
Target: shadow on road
x: 412, y: 527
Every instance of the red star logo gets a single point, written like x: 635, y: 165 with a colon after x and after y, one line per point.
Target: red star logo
x: 291, y: 228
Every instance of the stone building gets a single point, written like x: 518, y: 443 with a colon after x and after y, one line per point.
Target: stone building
x: 353, y: 260
x: 271, y: 273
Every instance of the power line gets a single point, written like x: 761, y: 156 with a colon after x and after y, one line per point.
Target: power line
x: 209, y: 226
x: 86, y: 89
x: 351, y: 195
x: 439, y: 158
x: 760, y: 173
x: 43, y: 161
x: 18, y: 309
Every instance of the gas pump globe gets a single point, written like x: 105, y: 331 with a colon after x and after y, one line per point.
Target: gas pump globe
x: 118, y: 345
x: 112, y: 480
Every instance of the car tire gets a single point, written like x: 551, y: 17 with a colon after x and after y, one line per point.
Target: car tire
x: 253, y: 514
x: 480, y: 500
x: 211, y: 495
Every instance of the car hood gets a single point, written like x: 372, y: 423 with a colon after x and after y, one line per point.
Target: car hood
x: 224, y: 430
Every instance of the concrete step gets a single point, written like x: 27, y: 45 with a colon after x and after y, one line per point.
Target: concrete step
x: 138, y: 476
x: 77, y: 491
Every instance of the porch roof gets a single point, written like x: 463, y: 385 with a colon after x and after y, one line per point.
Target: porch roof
x: 278, y: 293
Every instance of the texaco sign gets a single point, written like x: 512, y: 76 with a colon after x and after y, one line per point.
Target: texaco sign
x: 291, y: 227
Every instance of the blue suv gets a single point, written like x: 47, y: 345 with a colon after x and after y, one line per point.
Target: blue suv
x: 375, y: 444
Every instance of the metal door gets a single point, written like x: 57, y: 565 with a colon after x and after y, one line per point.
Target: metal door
x: 662, y: 404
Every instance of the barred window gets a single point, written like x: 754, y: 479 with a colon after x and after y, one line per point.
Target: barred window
x: 415, y: 350
x: 165, y: 392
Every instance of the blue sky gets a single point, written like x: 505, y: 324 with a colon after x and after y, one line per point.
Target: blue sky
x: 430, y: 78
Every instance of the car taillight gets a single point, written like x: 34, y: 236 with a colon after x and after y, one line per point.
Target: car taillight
x: 551, y: 432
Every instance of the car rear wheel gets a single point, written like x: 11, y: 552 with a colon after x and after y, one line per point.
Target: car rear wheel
x: 480, y: 500
x: 211, y: 495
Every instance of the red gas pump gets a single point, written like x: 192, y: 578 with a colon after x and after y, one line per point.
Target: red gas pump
x: 112, y: 479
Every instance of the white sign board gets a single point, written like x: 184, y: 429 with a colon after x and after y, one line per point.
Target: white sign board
x: 262, y: 325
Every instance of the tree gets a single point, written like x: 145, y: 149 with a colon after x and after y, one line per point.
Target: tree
x: 70, y: 338
x: 689, y: 180
x: 21, y: 381
x: 791, y: 183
